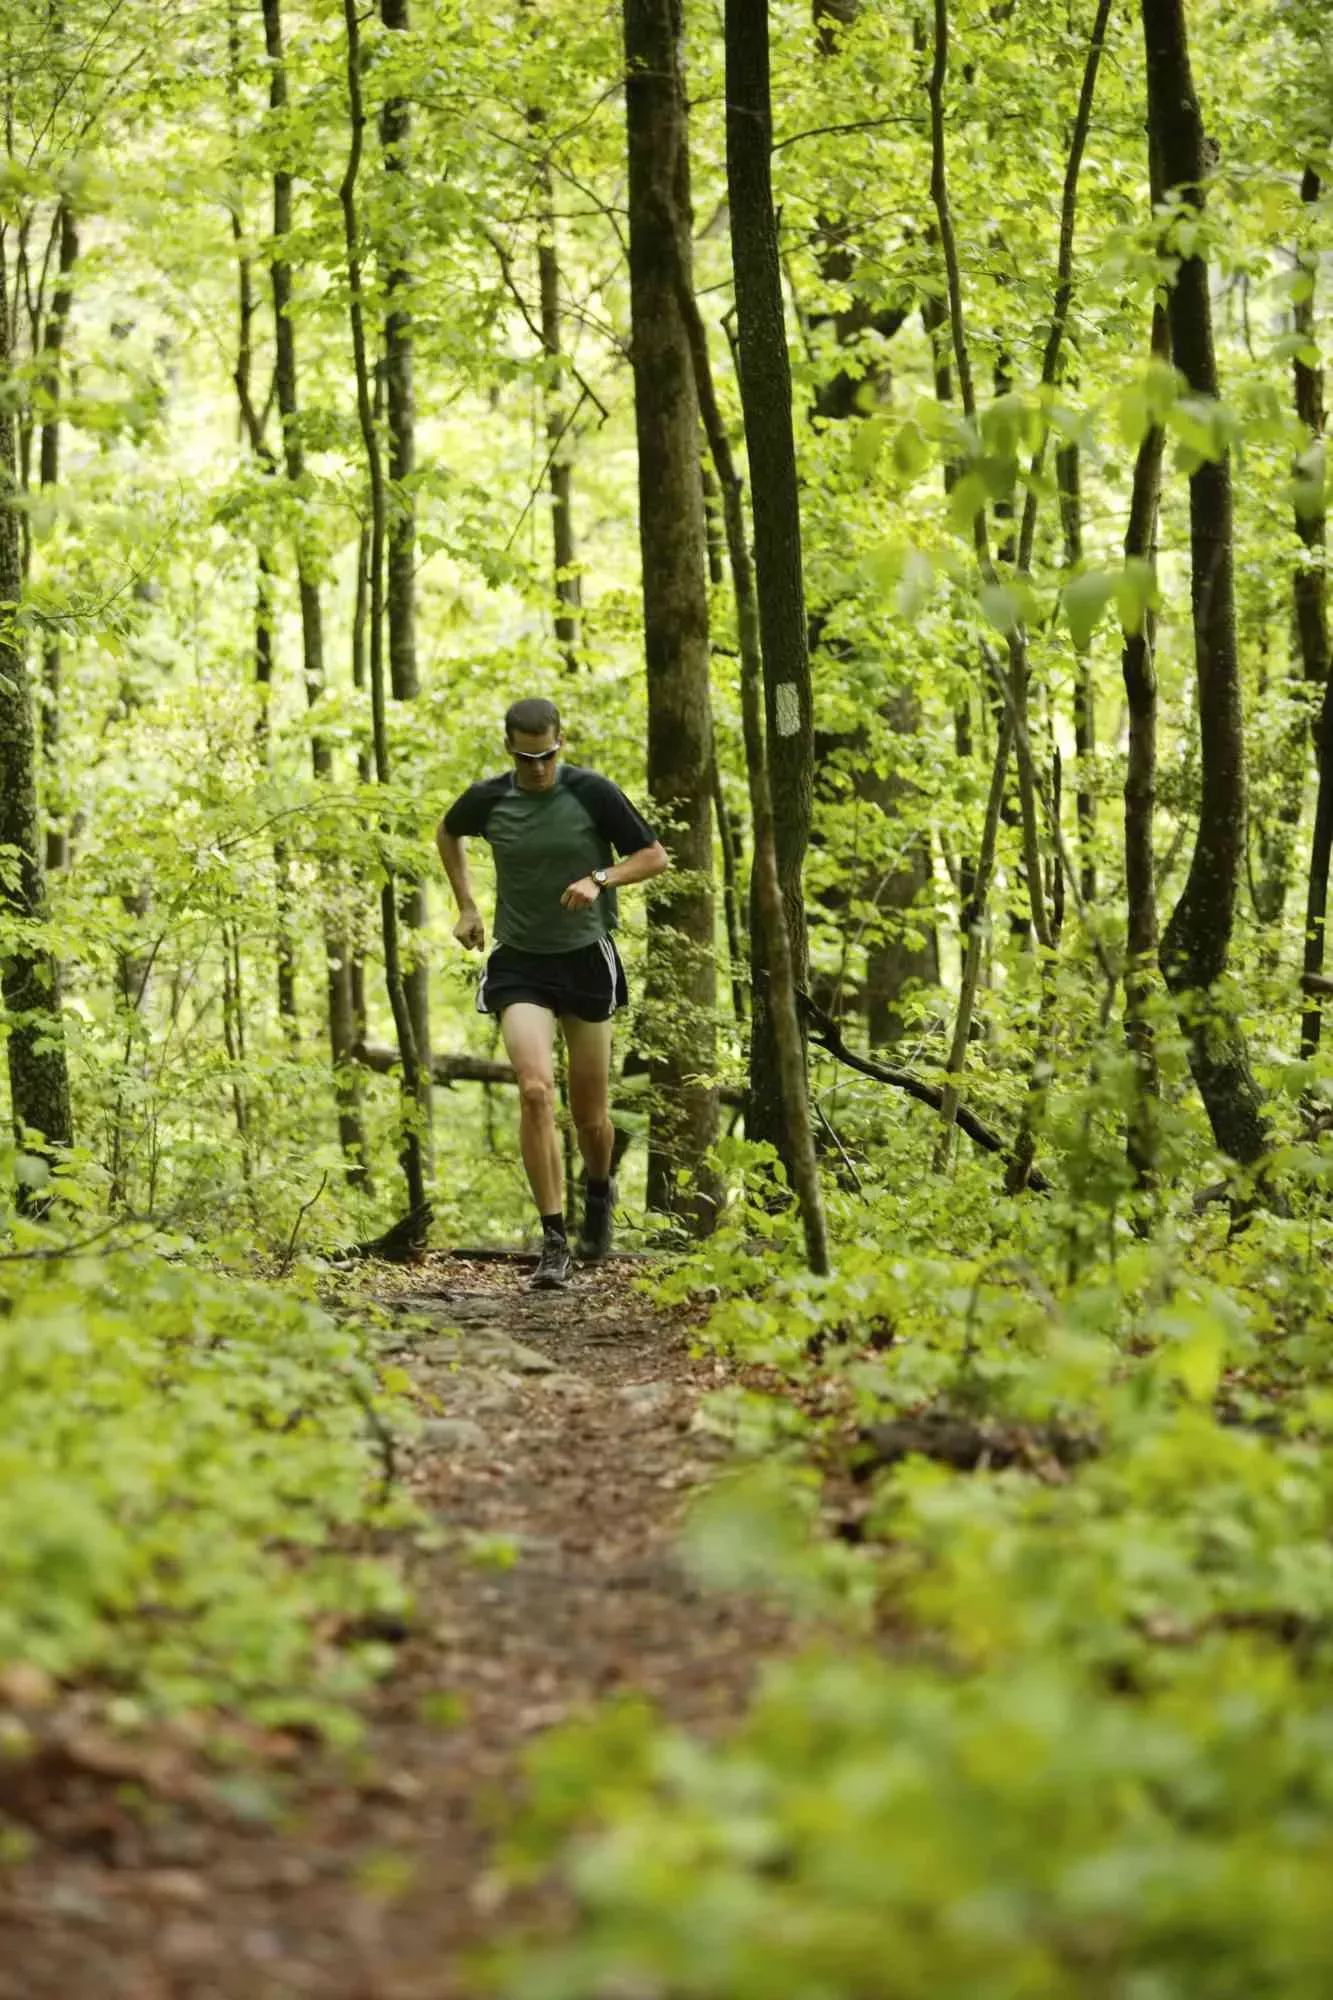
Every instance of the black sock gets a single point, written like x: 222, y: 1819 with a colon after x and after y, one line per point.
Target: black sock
x: 598, y: 1190
x: 553, y: 1225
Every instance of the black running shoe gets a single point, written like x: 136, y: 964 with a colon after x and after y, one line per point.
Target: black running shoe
x: 595, y: 1237
x: 552, y: 1272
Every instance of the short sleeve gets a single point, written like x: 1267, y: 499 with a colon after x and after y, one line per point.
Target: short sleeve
x: 470, y: 811
x: 619, y: 822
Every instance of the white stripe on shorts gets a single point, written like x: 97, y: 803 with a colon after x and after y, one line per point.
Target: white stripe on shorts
x: 481, y: 989
x: 609, y: 954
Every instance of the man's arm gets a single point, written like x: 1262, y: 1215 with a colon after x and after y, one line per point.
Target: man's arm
x: 640, y: 866
x: 469, y: 930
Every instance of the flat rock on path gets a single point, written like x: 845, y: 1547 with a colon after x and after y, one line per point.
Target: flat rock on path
x: 556, y: 1467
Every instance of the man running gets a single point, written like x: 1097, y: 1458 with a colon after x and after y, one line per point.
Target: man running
x: 552, y: 829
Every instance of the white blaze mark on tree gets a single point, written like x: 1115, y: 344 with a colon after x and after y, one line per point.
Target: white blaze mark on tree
x: 788, y: 708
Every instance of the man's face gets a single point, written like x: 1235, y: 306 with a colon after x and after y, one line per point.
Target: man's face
x: 536, y: 758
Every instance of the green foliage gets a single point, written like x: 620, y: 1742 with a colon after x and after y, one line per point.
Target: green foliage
x: 1073, y: 1735
x: 188, y: 1466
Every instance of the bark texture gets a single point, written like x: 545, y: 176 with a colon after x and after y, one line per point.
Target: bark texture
x: 29, y: 979
x: 766, y: 399
x: 337, y: 956
x: 1070, y: 483
x: 52, y: 384
x: 401, y: 551
x: 682, y: 977
x: 1140, y: 677
x: 783, y: 992
x: 1310, y: 604
x: 559, y: 418
x: 1197, y: 938
x: 892, y: 893
x: 416, y: 1081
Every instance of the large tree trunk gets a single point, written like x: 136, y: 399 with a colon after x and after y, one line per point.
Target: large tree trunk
x: 29, y: 980
x: 52, y: 384
x: 337, y: 956
x: 765, y: 376
x: 784, y: 1008
x: 1197, y: 938
x: 395, y: 137
x: 416, y: 1081
x: 682, y: 975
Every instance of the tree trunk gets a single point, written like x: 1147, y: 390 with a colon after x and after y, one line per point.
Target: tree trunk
x: 253, y: 427
x: 337, y: 956
x: 29, y: 979
x: 399, y: 359
x: 1197, y: 938
x: 415, y: 1081
x: 935, y: 324
x: 731, y: 907
x: 784, y: 1012
x: 564, y: 550
x: 52, y: 383
x: 973, y: 912
x: 892, y: 964
x: 765, y: 379
x: 1140, y: 678
x: 1310, y: 604
x: 682, y: 977
x: 1068, y: 472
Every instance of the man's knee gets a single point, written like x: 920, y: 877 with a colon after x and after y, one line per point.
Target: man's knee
x: 536, y: 1094
x: 592, y: 1125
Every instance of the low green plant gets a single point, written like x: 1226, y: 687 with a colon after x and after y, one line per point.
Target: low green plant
x: 1073, y: 1738
x: 191, y: 1471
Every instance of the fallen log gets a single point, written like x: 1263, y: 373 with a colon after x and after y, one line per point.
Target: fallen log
x: 1317, y: 983
x: 826, y: 1032
x: 451, y: 1069
x: 969, y: 1446
x: 444, y: 1069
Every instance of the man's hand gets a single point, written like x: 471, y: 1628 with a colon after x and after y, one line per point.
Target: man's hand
x: 581, y: 895
x: 470, y: 930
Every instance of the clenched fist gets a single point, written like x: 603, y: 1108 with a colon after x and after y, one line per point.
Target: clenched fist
x: 581, y: 895
x: 470, y: 930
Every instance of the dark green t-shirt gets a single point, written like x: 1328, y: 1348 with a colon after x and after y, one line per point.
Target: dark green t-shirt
x: 543, y: 841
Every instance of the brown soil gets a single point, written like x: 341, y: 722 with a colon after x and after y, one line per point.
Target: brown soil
x: 150, y: 1881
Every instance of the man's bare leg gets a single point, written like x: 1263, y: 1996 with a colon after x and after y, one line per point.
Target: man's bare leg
x: 529, y: 1037
x: 589, y: 1047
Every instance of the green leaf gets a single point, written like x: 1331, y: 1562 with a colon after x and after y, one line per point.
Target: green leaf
x: 911, y: 452
x: 1085, y: 599
x: 966, y: 501
x: 1002, y: 604
x: 915, y: 585
x: 1136, y: 593
x: 867, y: 443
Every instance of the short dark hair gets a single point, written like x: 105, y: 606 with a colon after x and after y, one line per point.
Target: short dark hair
x: 531, y: 717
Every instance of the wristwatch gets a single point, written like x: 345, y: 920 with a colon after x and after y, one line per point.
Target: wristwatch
x: 599, y: 877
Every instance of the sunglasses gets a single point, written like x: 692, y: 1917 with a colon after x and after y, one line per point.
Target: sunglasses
x: 535, y: 756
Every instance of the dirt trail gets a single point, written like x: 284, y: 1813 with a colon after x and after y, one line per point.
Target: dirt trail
x: 566, y: 1431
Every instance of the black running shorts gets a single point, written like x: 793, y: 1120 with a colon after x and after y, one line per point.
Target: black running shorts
x: 589, y: 983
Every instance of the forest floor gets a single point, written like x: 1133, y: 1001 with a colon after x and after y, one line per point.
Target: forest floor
x: 566, y: 1443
